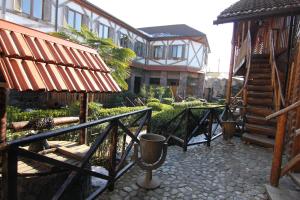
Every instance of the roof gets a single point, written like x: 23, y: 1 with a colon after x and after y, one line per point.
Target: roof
x: 35, y: 61
x: 172, y: 30
x: 247, y: 9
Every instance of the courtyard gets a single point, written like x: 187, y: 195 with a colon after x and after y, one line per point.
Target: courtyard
x: 223, y: 171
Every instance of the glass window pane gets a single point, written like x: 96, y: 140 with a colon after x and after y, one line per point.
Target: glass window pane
x: 38, y: 8
x: 71, y: 18
x: 78, y: 18
x: 105, y: 32
x: 179, y: 51
x: 174, y: 51
x: 26, y: 4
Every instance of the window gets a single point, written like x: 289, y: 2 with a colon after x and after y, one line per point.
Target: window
x: 173, y: 82
x: 139, y: 48
x: 154, y: 81
x: 103, y: 31
x: 26, y: 6
x: 158, y: 52
x: 124, y: 41
x: 38, y: 9
x: 74, y: 19
x: 176, y: 51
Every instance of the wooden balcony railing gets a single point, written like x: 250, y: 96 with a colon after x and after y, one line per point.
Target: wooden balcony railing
x: 115, y: 128
x: 276, y: 170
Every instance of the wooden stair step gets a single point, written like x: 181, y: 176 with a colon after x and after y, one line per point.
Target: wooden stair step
x: 260, y: 111
x: 260, y: 101
x: 260, y: 88
x: 259, y: 81
x: 295, y: 178
x: 260, y: 76
x: 260, y: 129
x: 258, y: 140
x: 253, y: 119
x: 260, y: 94
x: 275, y: 193
x: 261, y: 69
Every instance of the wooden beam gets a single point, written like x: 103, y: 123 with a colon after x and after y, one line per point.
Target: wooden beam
x: 229, y: 81
x: 3, y: 120
x: 278, y: 150
x: 283, y: 111
x: 83, y: 116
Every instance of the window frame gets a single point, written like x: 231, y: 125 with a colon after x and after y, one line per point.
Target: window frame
x: 32, y: 9
x: 75, y: 19
x: 140, y: 48
x: 177, y: 57
x: 101, y: 33
x: 156, y: 55
x: 126, y: 40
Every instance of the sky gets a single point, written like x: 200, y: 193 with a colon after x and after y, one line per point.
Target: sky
x: 198, y: 14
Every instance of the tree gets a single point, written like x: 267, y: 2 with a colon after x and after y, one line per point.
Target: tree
x: 117, y: 59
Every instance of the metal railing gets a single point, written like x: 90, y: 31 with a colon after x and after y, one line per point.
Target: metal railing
x: 11, y: 151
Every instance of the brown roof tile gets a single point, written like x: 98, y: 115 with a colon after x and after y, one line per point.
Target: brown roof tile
x: 32, y: 60
x: 246, y: 9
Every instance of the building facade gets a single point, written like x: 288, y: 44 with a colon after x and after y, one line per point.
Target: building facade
x: 174, y: 55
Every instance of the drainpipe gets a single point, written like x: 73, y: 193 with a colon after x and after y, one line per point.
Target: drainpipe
x: 56, y: 16
x: 3, y: 8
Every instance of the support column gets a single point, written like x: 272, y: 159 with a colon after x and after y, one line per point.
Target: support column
x: 229, y: 82
x: 182, y: 88
x: 3, y: 120
x: 163, y: 79
x: 83, y: 116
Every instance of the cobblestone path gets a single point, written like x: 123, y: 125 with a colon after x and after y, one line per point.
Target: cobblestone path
x: 222, y: 171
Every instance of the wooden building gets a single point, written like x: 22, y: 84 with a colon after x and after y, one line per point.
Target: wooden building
x: 266, y: 52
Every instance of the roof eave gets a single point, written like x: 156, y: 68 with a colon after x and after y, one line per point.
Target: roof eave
x: 277, y: 13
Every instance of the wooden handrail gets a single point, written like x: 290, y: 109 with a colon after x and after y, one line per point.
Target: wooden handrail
x: 283, y: 111
x: 275, y: 73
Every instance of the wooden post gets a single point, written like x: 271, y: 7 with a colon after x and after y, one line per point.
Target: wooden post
x: 187, y: 127
x: 113, y: 154
x: 278, y: 150
x: 229, y: 81
x: 149, y: 113
x: 10, y: 175
x: 211, y: 114
x: 83, y: 117
x: 3, y: 120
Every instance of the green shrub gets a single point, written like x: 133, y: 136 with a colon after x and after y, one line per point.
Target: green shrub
x: 108, y: 112
x: 168, y: 101
x: 159, y: 91
x: 143, y: 91
x: 221, y: 101
x: 153, y: 100
x: 151, y: 92
x: 168, y: 93
x: 187, y: 104
x: 190, y: 99
x: 159, y: 106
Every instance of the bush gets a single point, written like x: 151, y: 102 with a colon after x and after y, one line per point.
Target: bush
x: 159, y: 91
x: 108, y: 112
x: 168, y: 93
x: 168, y: 101
x: 153, y: 100
x: 191, y: 99
x: 159, y: 106
x: 187, y: 104
x: 221, y: 101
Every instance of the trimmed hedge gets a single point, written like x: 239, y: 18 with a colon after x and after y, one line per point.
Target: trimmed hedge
x: 187, y: 104
x: 191, y: 99
x: 159, y: 106
x: 168, y: 101
x: 150, y: 100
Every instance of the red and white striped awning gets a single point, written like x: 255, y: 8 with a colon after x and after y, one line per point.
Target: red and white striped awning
x: 35, y: 61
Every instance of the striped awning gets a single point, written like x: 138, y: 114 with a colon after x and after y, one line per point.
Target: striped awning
x: 35, y: 61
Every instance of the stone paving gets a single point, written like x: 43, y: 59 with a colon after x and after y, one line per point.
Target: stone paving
x: 222, y: 171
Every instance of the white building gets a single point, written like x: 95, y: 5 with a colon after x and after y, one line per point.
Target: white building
x: 174, y: 55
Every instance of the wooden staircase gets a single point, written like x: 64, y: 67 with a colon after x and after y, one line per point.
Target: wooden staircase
x: 259, y: 104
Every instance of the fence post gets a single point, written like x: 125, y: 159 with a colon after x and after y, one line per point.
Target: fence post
x: 211, y: 113
x: 113, y: 154
x: 149, y: 121
x: 278, y: 150
x: 83, y: 139
x: 10, y: 175
x: 187, y: 120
